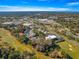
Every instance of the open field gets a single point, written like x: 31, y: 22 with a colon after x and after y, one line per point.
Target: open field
x: 7, y: 37
x: 70, y: 49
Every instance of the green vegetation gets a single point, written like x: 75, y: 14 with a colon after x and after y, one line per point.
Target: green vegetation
x: 70, y: 49
x: 13, y: 42
x: 30, y: 40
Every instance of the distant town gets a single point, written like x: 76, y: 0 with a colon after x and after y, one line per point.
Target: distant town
x: 50, y: 35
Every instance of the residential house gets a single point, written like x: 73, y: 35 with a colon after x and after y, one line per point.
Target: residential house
x: 54, y: 37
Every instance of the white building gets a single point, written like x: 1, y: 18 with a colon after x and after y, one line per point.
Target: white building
x: 50, y: 37
x: 42, y: 20
x: 26, y: 24
x: 7, y: 23
x: 55, y: 38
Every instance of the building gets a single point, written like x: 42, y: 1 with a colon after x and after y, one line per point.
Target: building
x: 29, y: 32
x: 7, y: 23
x: 50, y: 37
x: 27, y: 24
x: 54, y: 37
x: 43, y: 20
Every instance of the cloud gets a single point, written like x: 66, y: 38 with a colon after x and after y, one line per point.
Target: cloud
x: 24, y: 2
x: 59, y: 9
x: 28, y: 8
x: 48, y: 0
x: 43, y: 0
x: 73, y: 4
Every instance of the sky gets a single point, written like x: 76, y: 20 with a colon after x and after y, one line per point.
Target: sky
x: 39, y: 5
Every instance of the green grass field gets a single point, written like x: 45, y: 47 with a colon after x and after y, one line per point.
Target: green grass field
x: 7, y: 37
x: 70, y: 49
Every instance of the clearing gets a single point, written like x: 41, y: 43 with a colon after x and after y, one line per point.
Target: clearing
x: 70, y: 49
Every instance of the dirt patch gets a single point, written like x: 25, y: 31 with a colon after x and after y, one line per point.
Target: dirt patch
x: 70, y: 49
x: 0, y: 37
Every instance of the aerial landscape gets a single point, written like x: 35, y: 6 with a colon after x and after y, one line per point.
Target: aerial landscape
x: 39, y: 29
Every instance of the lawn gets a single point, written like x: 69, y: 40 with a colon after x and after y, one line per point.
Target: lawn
x: 70, y: 49
x: 11, y: 40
